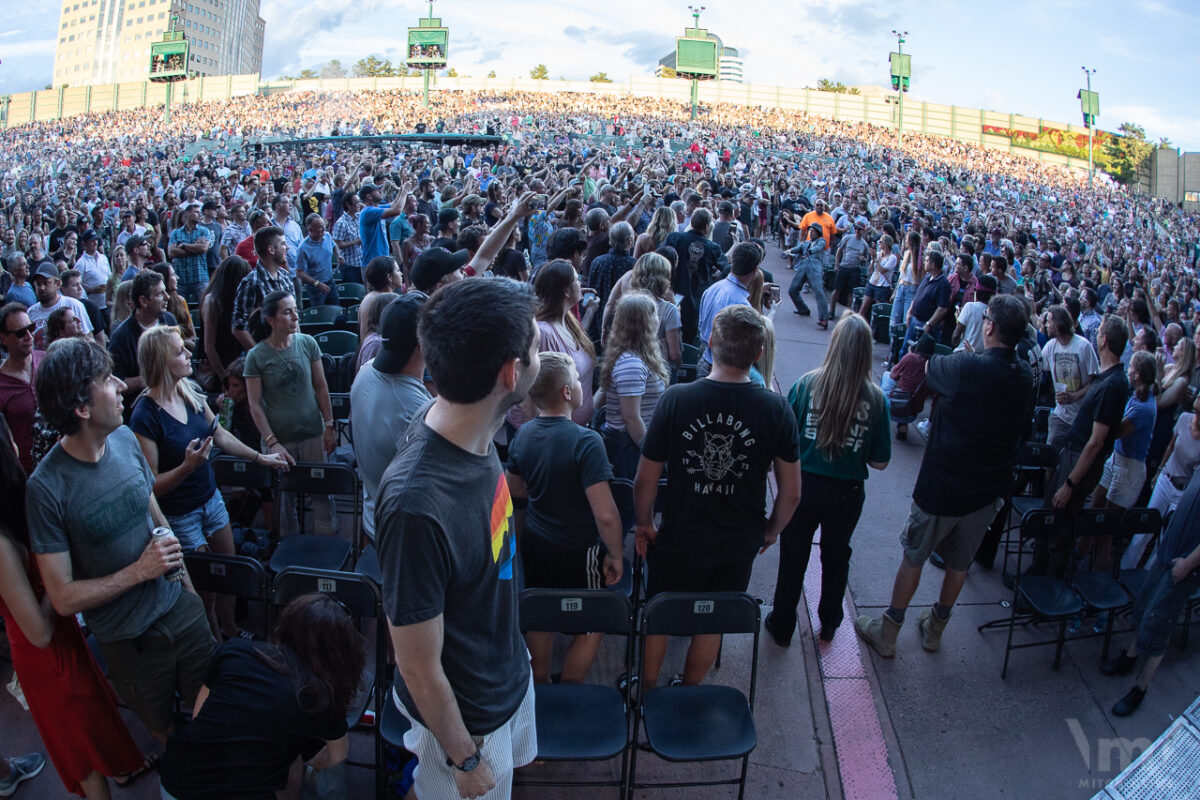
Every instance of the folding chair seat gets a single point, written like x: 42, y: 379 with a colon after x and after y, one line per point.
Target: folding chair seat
x: 1100, y: 591
x: 319, y: 319
x: 582, y: 722
x: 362, y: 600
x: 698, y: 723
x: 315, y: 551
x: 337, y: 343
x: 351, y: 294
x: 1044, y: 597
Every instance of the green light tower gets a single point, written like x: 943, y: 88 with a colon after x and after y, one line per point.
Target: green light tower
x: 1089, y: 104
x: 696, y: 56
x: 169, y: 61
x: 901, y: 69
x: 428, y: 45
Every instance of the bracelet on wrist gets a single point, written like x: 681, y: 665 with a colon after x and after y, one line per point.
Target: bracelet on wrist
x: 272, y: 440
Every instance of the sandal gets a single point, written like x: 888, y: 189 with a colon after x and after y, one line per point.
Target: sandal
x: 124, y: 781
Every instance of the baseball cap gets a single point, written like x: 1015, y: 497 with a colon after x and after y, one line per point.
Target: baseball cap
x: 88, y: 235
x: 46, y: 270
x: 134, y: 242
x: 434, y: 264
x: 447, y: 215
x: 398, y: 328
x: 860, y: 223
x: 986, y: 283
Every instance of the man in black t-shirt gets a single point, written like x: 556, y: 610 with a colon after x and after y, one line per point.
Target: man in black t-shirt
x: 1089, y: 443
x: 701, y: 261
x: 985, y: 400
x: 718, y: 437
x: 450, y: 594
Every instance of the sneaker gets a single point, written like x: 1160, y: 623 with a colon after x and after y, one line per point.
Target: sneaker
x: 21, y: 769
x: 1075, y: 624
x: 1101, y: 623
x: 781, y: 637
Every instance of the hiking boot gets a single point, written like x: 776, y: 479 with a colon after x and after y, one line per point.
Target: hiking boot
x: 931, y: 627
x: 1129, y: 703
x: 879, y: 632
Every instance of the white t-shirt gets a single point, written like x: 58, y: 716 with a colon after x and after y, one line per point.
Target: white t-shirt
x: 38, y: 314
x: 971, y: 318
x: 1070, y: 367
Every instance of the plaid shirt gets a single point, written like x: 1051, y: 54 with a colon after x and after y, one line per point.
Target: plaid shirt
x: 346, y: 230
x: 256, y: 286
x: 194, y: 268
x: 234, y: 234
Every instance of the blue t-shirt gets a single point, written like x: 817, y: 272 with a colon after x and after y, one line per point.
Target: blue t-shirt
x: 373, y: 233
x: 1136, y: 444
x: 21, y: 294
x: 172, y: 437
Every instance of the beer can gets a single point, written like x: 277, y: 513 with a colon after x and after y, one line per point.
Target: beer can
x: 173, y: 574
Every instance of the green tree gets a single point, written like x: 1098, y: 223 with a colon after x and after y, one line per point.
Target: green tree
x: 1127, y: 152
x: 600, y: 77
x: 401, y: 71
x: 333, y: 69
x: 826, y: 85
x: 540, y: 73
x: 669, y: 72
x: 372, y: 67
x: 492, y: 74
x: 452, y: 73
x: 308, y: 74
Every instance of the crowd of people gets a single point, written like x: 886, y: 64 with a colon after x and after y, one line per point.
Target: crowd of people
x: 587, y: 297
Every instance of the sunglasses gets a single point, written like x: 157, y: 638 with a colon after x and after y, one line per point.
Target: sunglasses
x: 21, y: 333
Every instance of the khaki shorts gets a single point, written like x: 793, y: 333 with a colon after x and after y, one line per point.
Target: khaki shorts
x: 954, y: 538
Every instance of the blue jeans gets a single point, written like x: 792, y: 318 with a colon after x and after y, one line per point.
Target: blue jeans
x: 351, y: 274
x: 900, y: 302
x: 810, y: 269
x: 316, y: 298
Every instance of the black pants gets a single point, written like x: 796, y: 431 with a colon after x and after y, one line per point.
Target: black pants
x: 834, y: 505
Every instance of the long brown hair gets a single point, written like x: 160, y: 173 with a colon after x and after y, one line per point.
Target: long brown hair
x: 842, y: 383
x: 316, y: 645
x: 551, y: 285
x: 634, y: 330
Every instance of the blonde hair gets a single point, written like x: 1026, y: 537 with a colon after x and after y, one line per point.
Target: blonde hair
x: 122, y: 302
x: 155, y: 351
x: 766, y: 364
x: 652, y: 273
x: 662, y: 225
x: 758, y: 283
x: 842, y: 383
x: 554, y: 371
x: 634, y: 330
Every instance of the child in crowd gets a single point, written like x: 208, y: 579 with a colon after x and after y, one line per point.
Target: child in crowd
x: 904, y: 385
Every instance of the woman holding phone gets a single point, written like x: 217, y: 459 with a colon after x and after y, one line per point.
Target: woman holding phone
x: 177, y: 431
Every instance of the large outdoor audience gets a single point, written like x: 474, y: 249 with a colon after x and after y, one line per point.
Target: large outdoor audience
x: 167, y: 289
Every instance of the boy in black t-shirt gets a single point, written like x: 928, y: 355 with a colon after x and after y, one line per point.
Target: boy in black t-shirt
x: 562, y: 469
x: 717, y: 437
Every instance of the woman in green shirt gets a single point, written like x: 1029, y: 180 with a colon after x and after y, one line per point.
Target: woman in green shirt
x: 288, y: 397
x: 844, y: 428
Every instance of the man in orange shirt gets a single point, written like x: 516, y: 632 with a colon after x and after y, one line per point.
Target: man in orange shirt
x: 820, y: 216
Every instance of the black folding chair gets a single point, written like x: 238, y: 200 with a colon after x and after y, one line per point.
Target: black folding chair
x: 1041, y: 423
x: 362, y: 599
x: 1028, y: 487
x: 1100, y: 591
x: 237, y: 473
x: 583, y: 722
x: 237, y: 576
x: 1045, y: 597
x: 697, y: 723
x: 312, y: 550
x: 340, y: 406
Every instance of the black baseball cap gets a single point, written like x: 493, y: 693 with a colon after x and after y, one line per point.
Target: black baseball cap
x: 434, y: 264
x: 398, y: 329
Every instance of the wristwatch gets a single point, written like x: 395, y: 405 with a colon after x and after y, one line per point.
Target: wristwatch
x: 470, y: 764
x: 1070, y: 483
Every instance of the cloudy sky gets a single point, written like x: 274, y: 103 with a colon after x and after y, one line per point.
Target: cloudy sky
x: 1021, y: 56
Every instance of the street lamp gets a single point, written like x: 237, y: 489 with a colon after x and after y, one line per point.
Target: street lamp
x: 1089, y: 102
x: 901, y: 69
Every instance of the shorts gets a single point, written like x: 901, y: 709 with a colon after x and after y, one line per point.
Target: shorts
x: 1158, y: 606
x: 956, y: 539
x: 880, y: 294
x: 550, y: 565
x: 725, y: 568
x: 173, y: 654
x: 513, y: 744
x: 195, y: 528
x: 1123, y: 478
x: 847, y: 280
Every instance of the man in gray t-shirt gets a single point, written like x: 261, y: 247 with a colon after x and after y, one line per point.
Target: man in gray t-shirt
x: 387, y: 393
x: 90, y: 510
